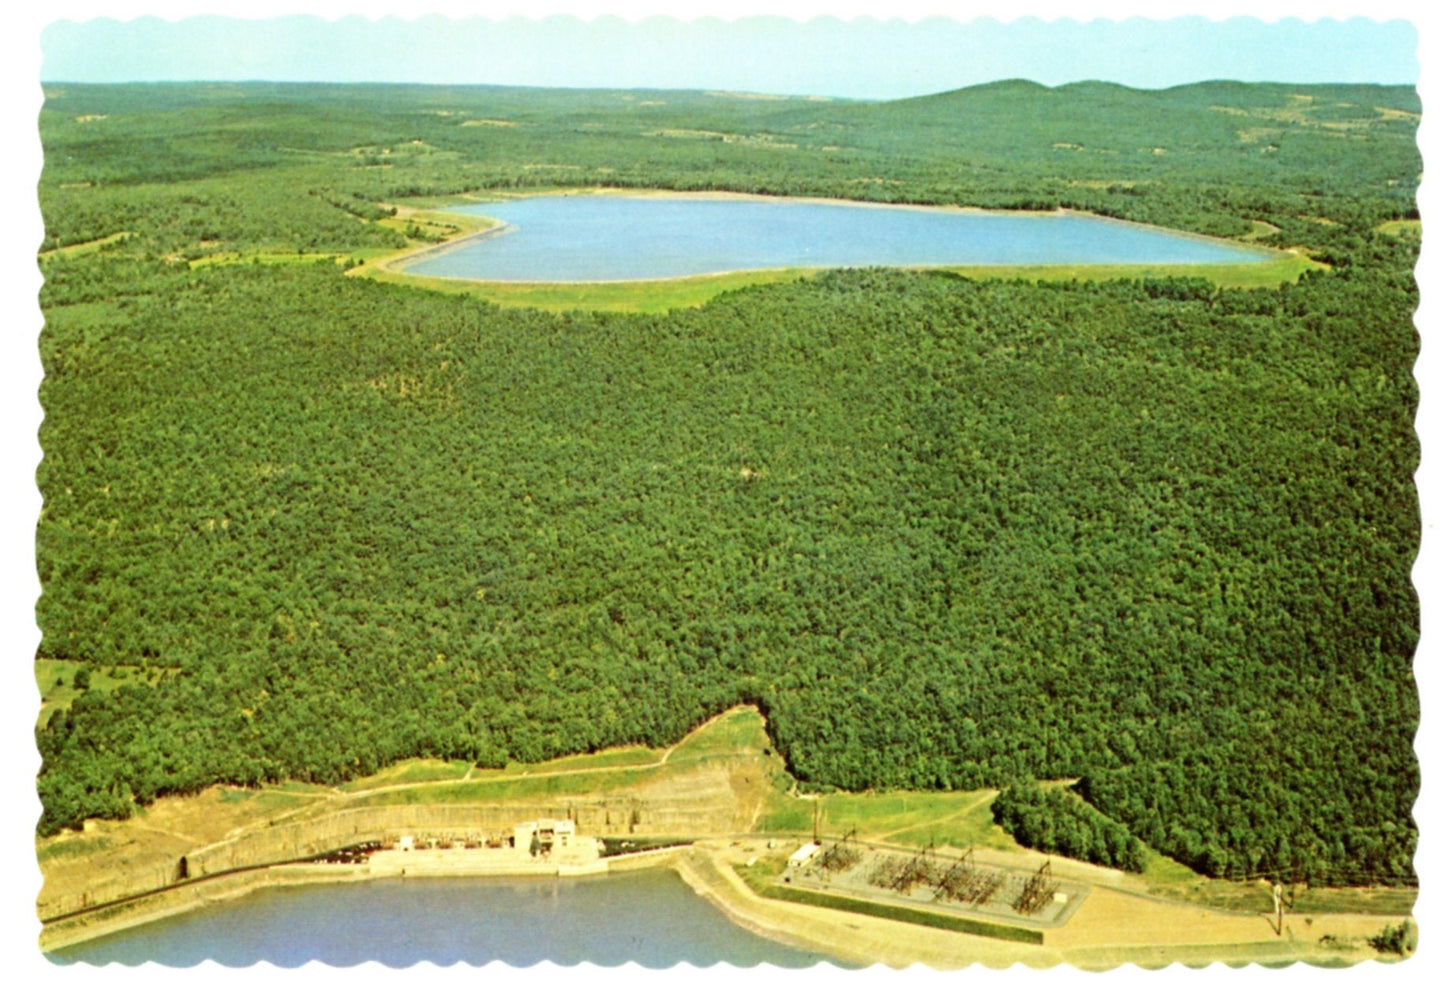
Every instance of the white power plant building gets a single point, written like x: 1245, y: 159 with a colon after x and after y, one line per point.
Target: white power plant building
x: 551, y: 834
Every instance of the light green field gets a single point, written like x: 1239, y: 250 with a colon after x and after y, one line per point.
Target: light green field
x: 268, y: 801
x: 88, y: 247
x: 296, y: 787
x: 410, y: 772
x: 491, y: 790
x: 617, y: 757
x: 1357, y: 901
x: 75, y: 847
x: 599, y: 296
x: 737, y: 733
x: 959, y: 819
x: 1171, y: 879
x: 438, y: 223
x: 1259, y: 230
x: 1400, y: 227
x: 56, y: 679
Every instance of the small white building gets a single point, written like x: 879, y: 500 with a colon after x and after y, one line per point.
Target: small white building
x: 406, y: 843
x: 551, y: 834
x: 804, y: 854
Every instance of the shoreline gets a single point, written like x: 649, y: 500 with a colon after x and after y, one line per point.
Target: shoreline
x: 173, y: 902
x: 398, y: 264
x: 842, y: 938
x: 237, y: 846
x: 703, y: 888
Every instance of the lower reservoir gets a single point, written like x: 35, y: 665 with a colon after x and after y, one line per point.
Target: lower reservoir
x: 618, y: 238
x: 651, y: 917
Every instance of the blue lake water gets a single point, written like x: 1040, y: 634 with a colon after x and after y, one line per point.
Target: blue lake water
x: 620, y: 238
x: 651, y: 917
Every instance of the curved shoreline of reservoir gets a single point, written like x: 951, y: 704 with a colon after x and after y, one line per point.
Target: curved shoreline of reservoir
x: 576, y: 250
x: 418, y: 254
x: 660, y: 294
x: 616, y: 238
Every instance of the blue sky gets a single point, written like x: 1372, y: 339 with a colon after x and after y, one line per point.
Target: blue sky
x: 865, y: 58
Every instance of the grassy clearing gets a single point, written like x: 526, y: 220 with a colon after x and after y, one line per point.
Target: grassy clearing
x: 88, y: 247
x: 56, y: 679
x: 410, y: 772
x: 618, y: 757
x: 960, y: 819
x: 267, y: 801
x: 598, y: 296
x: 438, y: 223
x: 974, y: 829
x: 1259, y: 229
x: 1400, y: 227
x: 784, y: 813
x: 86, y: 315
x: 493, y: 790
x: 1165, y: 872
x: 74, y: 847
x: 736, y: 733
x: 762, y: 872
x: 1357, y: 901
x: 1171, y: 879
x: 298, y: 787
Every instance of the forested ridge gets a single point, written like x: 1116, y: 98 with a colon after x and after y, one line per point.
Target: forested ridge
x: 1153, y: 535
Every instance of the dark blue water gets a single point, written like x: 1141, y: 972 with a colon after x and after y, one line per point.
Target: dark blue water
x: 649, y: 916
x: 616, y: 238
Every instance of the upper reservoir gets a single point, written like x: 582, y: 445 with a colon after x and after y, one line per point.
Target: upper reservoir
x: 623, y: 238
x: 651, y: 917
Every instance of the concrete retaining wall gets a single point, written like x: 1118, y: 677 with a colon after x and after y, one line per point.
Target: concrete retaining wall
x: 308, y: 838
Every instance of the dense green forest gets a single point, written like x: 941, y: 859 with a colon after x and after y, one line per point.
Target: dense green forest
x: 1055, y: 820
x: 1154, y: 535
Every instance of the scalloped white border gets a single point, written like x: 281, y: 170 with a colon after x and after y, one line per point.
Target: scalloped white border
x: 20, y: 417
